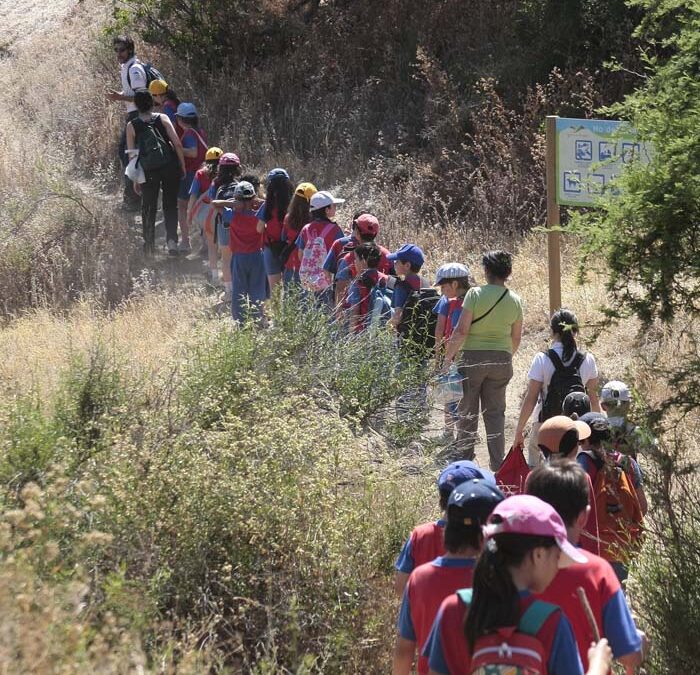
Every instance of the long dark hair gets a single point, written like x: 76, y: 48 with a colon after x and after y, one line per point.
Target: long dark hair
x: 496, y: 602
x: 227, y: 173
x: 564, y: 325
x: 298, y: 213
x: 278, y: 196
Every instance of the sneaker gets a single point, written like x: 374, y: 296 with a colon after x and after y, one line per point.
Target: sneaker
x: 184, y: 247
x: 172, y: 247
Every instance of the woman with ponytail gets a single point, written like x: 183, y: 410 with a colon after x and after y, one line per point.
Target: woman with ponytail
x: 525, y: 546
x: 547, y: 400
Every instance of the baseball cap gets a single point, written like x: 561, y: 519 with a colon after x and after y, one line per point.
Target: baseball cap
x: 615, y: 391
x: 599, y: 425
x: 186, y: 110
x: 451, y: 271
x: 551, y: 435
x: 322, y: 199
x: 305, y: 190
x: 244, y: 190
x: 213, y: 153
x: 229, y: 159
x: 367, y: 224
x: 577, y: 402
x: 525, y: 514
x: 277, y: 173
x: 472, y: 502
x: 158, y: 87
x: 460, y: 472
x: 410, y: 253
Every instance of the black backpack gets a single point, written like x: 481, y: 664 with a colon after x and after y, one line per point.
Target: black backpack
x: 155, y: 150
x: 566, y: 380
x: 418, y: 321
x: 152, y: 73
x: 223, y: 192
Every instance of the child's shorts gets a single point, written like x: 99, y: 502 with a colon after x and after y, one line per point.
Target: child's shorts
x: 222, y: 234
x: 185, y: 185
x: 273, y: 265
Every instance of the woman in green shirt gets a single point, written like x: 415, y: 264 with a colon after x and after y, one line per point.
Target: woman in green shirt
x: 488, y: 334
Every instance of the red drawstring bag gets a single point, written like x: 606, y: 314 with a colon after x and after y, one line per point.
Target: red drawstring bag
x: 513, y: 473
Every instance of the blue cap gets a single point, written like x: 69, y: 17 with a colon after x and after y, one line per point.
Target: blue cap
x: 459, y: 472
x: 277, y: 173
x: 410, y: 253
x: 186, y: 110
x: 471, y: 502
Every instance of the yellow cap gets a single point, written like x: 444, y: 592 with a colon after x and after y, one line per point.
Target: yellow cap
x: 306, y: 190
x: 212, y: 154
x: 158, y: 87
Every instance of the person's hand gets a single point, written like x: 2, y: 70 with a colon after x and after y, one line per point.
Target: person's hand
x: 519, y: 439
x: 114, y: 95
x: 599, y: 658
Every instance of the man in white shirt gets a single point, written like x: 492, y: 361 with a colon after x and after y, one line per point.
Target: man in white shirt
x: 133, y: 77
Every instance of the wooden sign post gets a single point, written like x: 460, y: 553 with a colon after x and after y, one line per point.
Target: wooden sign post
x: 553, y: 233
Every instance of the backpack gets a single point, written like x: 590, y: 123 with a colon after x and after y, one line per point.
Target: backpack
x: 418, y: 321
x: 619, y: 513
x: 311, y: 272
x: 512, y: 650
x: 223, y: 192
x: 513, y: 473
x: 155, y: 150
x: 566, y: 379
x: 152, y: 73
x: 379, y: 307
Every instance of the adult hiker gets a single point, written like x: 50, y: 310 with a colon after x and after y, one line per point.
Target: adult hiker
x: 133, y: 76
x: 160, y: 156
x: 554, y: 374
x: 487, y: 334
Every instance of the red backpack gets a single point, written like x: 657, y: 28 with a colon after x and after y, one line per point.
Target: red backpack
x: 513, y: 473
x: 512, y: 650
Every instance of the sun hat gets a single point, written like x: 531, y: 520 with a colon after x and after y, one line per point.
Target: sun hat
x: 525, y: 514
x: 599, y: 425
x: 472, y: 501
x: 186, y: 110
x: 367, y: 224
x: 409, y: 253
x: 158, y: 87
x: 323, y: 199
x: 615, y: 391
x: 451, y: 271
x: 305, y: 190
x: 552, y: 433
x: 277, y: 173
x: 460, y: 472
x: 229, y: 159
x: 244, y: 190
x: 213, y: 153
x: 577, y: 402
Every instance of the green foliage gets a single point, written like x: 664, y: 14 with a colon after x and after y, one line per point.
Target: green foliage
x: 648, y: 236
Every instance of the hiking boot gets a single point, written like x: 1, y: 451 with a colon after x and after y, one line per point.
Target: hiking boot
x: 172, y: 247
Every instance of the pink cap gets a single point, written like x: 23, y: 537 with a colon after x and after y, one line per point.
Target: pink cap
x: 525, y: 514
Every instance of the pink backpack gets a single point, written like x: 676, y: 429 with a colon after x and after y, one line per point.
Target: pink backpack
x: 311, y: 272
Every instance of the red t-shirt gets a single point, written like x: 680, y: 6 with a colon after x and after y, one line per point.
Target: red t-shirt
x: 427, y: 542
x: 427, y: 587
x: 244, y: 236
x: 290, y: 236
x: 193, y: 163
x: 315, y: 229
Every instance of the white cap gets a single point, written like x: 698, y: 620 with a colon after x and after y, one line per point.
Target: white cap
x: 615, y: 391
x: 451, y: 271
x: 321, y: 200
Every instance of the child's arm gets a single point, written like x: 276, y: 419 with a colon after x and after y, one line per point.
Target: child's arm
x: 439, y: 333
x: 403, y: 656
x: 260, y: 226
x: 459, y: 335
x: 529, y: 402
x: 592, y: 391
x: 516, y: 334
x: 599, y: 658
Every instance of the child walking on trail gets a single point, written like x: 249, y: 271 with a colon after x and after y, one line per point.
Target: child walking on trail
x: 298, y: 214
x: 553, y: 375
x: 453, y: 280
x: 195, y: 146
x: 626, y: 437
x: 199, y: 209
x: 359, y: 296
x: 222, y: 189
x: 314, y: 242
x: 564, y: 485
x: 468, y: 508
x: 166, y: 100
x: 426, y: 541
x: 270, y: 218
x: 506, y: 626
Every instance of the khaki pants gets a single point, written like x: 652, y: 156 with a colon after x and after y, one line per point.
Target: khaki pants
x: 486, y: 376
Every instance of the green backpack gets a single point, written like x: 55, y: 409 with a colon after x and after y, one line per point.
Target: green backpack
x: 155, y: 150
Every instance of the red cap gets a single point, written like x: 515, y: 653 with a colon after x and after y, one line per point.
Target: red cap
x: 367, y: 224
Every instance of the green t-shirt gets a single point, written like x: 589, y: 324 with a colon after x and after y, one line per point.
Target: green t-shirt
x: 493, y: 331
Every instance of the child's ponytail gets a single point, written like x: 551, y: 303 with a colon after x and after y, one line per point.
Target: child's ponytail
x: 564, y: 325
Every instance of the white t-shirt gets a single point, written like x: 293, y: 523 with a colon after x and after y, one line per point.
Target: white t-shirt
x: 137, y: 75
x: 542, y: 370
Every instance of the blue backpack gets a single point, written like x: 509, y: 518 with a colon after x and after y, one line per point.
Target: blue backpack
x: 379, y: 308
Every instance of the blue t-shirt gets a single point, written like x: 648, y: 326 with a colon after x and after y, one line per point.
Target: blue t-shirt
x: 330, y: 264
x: 403, y: 289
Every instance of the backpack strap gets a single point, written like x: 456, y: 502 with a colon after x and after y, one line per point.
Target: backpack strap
x: 327, y: 229
x: 485, y: 314
x: 465, y: 595
x: 534, y: 617
x: 556, y: 361
x: 199, y: 138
